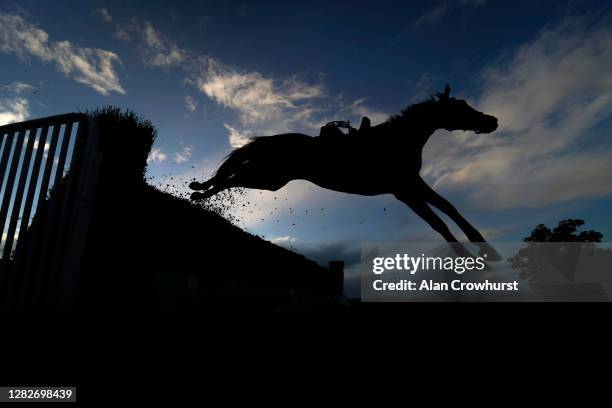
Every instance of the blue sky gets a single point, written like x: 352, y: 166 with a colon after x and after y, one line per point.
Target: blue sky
x: 210, y: 74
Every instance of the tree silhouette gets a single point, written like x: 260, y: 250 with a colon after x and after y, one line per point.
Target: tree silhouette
x: 550, y: 252
x: 564, y: 232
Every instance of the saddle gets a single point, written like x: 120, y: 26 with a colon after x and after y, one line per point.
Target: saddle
x: 334, y: 128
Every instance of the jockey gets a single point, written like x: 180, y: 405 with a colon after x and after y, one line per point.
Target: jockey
x: 333, y: 128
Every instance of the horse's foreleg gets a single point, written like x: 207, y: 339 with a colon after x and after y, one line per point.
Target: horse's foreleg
x: 420, y: 207
x: 471, y: 233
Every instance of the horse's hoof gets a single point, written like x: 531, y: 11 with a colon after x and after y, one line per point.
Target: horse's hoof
x: 197, y: 196
x: 194, y: 185
x: 460, y: 250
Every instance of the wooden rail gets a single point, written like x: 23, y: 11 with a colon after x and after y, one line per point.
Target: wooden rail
x: 40, y: 243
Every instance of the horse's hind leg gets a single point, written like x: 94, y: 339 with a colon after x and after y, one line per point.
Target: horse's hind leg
x: 471, y: 233
x: 420, y: 207
x: 214, y: 186
x: 194, y: 185
x: 208, y: 188
x: 197, y: 196
x: 224, y: 175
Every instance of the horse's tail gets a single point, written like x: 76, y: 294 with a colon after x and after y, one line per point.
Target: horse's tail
x: 266, y: 162
x: 231, y: 164
x: 239, y: 156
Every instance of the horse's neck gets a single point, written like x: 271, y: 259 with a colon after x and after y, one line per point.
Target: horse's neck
x: 413, y: 133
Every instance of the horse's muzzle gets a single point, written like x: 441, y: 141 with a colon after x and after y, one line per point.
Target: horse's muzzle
x: 488, y: 125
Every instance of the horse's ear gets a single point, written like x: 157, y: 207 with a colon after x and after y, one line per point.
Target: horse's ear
x: 444, y: 95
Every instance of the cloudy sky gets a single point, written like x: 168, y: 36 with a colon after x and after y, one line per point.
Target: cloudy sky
x: 211, y: 74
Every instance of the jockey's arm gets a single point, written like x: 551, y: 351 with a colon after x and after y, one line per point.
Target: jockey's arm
x: 365, y: 123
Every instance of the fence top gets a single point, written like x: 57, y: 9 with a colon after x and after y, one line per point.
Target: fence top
x: 49, y: 120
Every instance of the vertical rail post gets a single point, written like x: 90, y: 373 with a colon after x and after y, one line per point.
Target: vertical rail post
x: 14, y: 217
x: 34, y: 178
x: 46, y: 259
x: 31, y: 262
x: 66, y: 214
x: 76, y: 244
x: 44, y: 186
x: 8, y: 138
x: 61, y: 162
x: 10, y: 181
x: 8, y: 146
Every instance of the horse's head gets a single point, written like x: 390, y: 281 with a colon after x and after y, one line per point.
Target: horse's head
x: 456, y: 114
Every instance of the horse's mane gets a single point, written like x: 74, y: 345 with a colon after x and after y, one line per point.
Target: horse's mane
x: 411, y: 110
x: 416, y: 109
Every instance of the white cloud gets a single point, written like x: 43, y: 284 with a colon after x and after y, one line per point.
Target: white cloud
x: 158, y: 50
x: 270, y: 106
x: 121, y: 33
x: 236, y: 138
x: 359, y: 109
x: 90, y: 66
x: 19, y: 88
x: 548, y: 98
x: 191, y: 103
x: 265, y: 105
x: 163, y: 53
x: 257, y: 98
x: 422, y: 88
x: 284, y: 240
x: 104, y: 14
x: 156, y: 156
x: 184, y: 155
x: 14, y: 110
x: 442, y: 9
x: 433, y: 15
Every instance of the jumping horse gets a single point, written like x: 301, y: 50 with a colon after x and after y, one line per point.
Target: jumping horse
x: 383, y: 159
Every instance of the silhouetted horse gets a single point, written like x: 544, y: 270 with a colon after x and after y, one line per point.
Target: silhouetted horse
x: 379, y: 160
